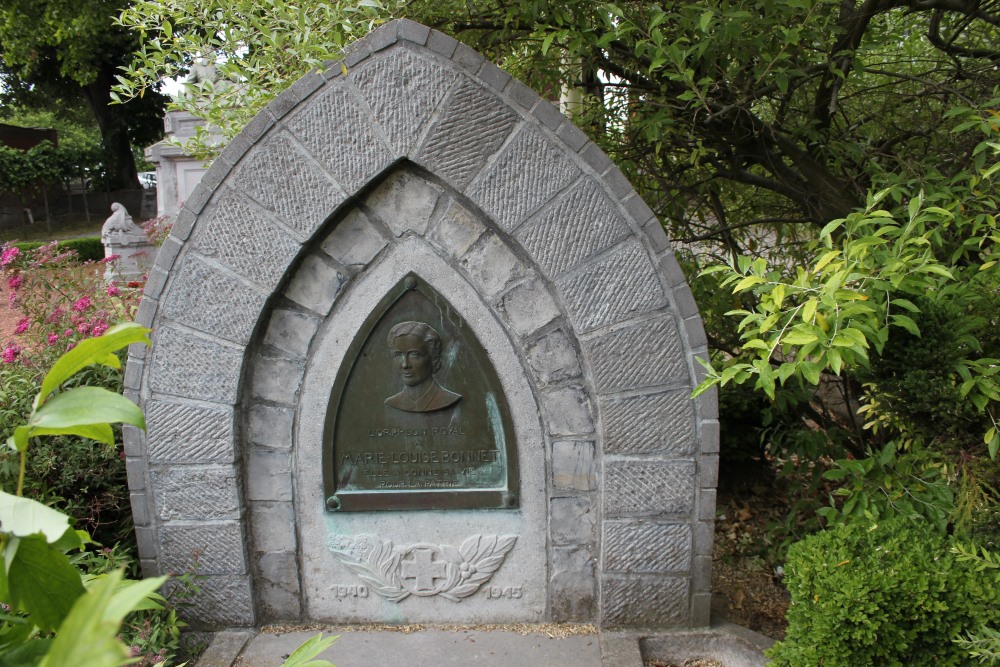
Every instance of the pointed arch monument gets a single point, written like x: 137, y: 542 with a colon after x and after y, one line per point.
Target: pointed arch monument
x: 575, y: 483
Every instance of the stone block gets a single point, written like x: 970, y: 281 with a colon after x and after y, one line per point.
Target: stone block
x: 354, y: 242
x: 617, y: 287
x: 597, y: 159
x: 183, y: 222
x: 192, y: 367
x: 404, y: 202
x: 273, y: 526
x: 222, y: 602
x: 646, y: 354
x: 572, y: 588
x: 402, y: 91
x: 269, y: 476
x: 492, y: 265
x: 548, y: 115
x: 457, y: 230
x: 708, y: 405
x: 277, y: 380
x: 133, y: 374
x: 706, y: 504
x: 697, y: 340
x: 167, y: 254
x: 467, y: 58
x: 708, y: 471
x: 278, y: 586
x: 553, y: 357
x: 567, y: 411
x: 315, y: 285
x: 134, y: 440
x: 442, y: 43
x: 239, y: 236
x: 701, y: 610
x: 357, y: 52
x: 145, y: 542
x: 413, y: 31
x: 521, y: 94
x: 639, y: 210
x: 140, y: 508
x: 204, y: 548
x: 271, y: 426
x: 195, y: 493
x: 704, y: 536
x: 709, y: 436
x: 647, y: 547
x: 382, y: 38
x: 531, y: 170
x: 685, y: 301
x: 702, y: 574
x: 581, y: 224
x: 572, y: 136
x: 472, y: 127
x: 572, y: 520
x: 573, y: 465
x: 644, y: 602
x: 648, y: 488
x: 135, y: 473
x: 291, y: 331
x: 205, y: 298
x: 289, y: 184
x: 663, y: 422
x: 282, y: 104
x: 493, y: 76
x: 155, y: 281
x: 616, y: 181
x: 334, y: 118
x: 671, y: 269
x: 656, y: 236
x: 188, y: 432
x: 528, y: 306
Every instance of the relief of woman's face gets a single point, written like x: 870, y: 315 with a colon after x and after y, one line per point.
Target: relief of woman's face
x: 413, y: 359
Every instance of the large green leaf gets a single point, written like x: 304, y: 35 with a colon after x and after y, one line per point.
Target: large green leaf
x: 43, y: 583
x: 91, y: 351
x: 87, y: 638
x: 304, y: 654
x: 24, y: 517
x: 86, y: 406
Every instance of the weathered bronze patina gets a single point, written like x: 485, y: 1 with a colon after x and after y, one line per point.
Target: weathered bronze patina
x: 417, y: 417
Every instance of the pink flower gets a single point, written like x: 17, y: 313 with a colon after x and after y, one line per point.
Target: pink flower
x: 82, y: 305
x: 9, y: 254
x: 83, y: 328
x: 15, y: 281
x: 53, y: 338
x: 113, y: 290
x: 22, y: 325
x: 10, y: 353
x: 68, y: 332
x: 56, y: 315
x: 109, y: 258
x: 99, y: 328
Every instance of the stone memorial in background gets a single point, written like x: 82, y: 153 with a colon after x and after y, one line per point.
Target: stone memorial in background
x: 128, y: 244
x: 421, y: 355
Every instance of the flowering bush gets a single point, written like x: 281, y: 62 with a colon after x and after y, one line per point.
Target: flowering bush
x: 62, y: 302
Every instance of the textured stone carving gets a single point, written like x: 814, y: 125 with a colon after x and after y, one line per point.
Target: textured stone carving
x: 240, y: 237
x: 223, y: 602
x: 646, y: 354
x: 195, y: 492
x: 665, y: 547
x: 643, y: 488
x: 335, y: 119
x: 402, y: 92
x: 422, y: 569
x: 530, y: 171
x: 587, y: 211
x: 618, y: 287
x: 205, y: 548
x: 188, y: 433
x: 184, y: 365
x: 472, y: 128
x: 644, y: 603
x: 229, y: 308
x: 661, y: 422
x: 287, y: 183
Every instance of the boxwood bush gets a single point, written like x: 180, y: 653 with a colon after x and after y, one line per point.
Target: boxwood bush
x: 891, y: 593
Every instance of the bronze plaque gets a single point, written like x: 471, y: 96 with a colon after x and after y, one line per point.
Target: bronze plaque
x: 417, y: 418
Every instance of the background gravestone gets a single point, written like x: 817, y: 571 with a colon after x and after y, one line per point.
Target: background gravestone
x: 423, y: 159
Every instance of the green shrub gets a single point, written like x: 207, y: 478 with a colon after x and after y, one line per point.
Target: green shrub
x: 891, y: 593
x: 87, y: 248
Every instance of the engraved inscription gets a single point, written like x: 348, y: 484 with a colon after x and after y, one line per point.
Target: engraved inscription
x: 424, y: 570
x: 418, y: 410
x: 498, y: 592
x: 350, y: 591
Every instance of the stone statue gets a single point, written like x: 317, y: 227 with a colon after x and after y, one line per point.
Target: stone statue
x: 416, y: 352
x: 118, y: 224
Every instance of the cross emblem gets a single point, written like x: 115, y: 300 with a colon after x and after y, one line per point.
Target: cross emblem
x: 423, y: 570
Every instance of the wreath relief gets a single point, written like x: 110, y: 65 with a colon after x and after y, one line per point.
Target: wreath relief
x: 423, y: 569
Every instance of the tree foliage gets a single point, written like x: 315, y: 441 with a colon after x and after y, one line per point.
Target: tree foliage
x: 67, y: 52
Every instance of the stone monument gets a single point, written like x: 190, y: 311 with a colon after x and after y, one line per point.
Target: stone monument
x: 421, y: 354
x: 128, y: 243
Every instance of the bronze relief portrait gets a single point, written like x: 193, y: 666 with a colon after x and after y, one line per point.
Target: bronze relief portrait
x: 416, y: 355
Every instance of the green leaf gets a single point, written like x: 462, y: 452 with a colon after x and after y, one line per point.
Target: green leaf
x: 99, y: 432
x: 24, y: 517
x: 89, y: 352
x: 86, y: 406
x: 88, y: 636
x: 304, y: 654
x: 906, y: 322
x: 43, y: 583
x: 747, y: 283
x: 799, y: 338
